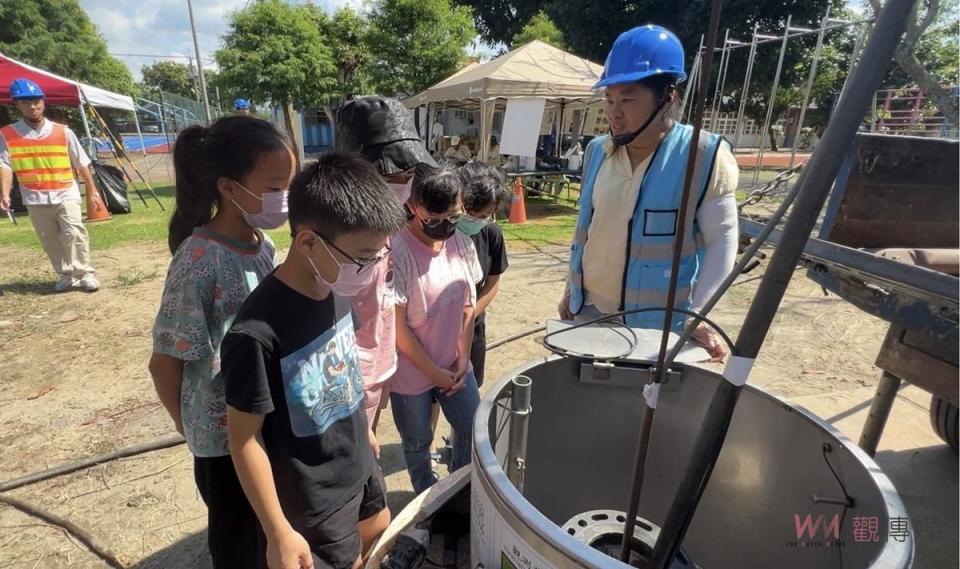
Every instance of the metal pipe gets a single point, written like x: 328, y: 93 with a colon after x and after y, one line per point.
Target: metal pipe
x: 879, y: 412
x: 723, y: 82
x: 853, y: 59
x: 646, y: 428
x: 519, y: 419
x: 746, y: 88
x: 694, y: 69
x: 203, y: 82
x: 91, y: 145
x: 815, y: 183
x: 770, y: 103
x: 809, y: 87
x: 717, y: 90
x: 764, y: 38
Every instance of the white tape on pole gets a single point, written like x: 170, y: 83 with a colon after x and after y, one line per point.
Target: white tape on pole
x: 651, y: 392
x: 737, y: 370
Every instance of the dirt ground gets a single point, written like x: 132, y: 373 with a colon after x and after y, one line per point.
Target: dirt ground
x: 73, y: 383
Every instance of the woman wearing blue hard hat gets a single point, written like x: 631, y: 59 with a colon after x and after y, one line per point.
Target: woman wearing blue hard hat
x: 633, y: 180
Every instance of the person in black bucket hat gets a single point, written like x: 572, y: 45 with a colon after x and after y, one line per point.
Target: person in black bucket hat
x: 382, y: 131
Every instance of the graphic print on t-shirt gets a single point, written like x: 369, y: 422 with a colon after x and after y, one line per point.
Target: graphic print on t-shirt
x: 322, y: 381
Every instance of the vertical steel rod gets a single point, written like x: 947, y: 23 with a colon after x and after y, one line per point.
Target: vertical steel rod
x: 746, y: 88
x: 724, y: 53
x: 809, y: 87
x: 771, y: 101
x: 646, y: 428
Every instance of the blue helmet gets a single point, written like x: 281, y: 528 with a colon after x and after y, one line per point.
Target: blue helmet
x: 25, y: 89
x: 643, y: 52
x: 241, y: 104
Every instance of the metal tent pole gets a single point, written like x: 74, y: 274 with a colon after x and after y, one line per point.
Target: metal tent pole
x: 717, y: 91
x: 646, y: 429
x: 91, y: 145
x: 815, y: 183
x: 771, y: 102
x: 809, y: 87
x: 143, y: 146
x: 746, y: 87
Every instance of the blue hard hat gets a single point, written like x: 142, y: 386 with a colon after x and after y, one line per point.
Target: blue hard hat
x: 241, y: 104
x: 643, y: 52
x: 25, y: 89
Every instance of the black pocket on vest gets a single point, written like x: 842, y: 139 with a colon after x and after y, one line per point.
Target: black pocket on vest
x: 659, y: 222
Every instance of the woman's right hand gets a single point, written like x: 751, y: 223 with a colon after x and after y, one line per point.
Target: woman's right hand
x: 289, y: 550
x: 442, y: 378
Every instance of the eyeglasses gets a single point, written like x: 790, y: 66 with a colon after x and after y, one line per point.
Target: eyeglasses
x: 437, y: 222
x: 360, y: 263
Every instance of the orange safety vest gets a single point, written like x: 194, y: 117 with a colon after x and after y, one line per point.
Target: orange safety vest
x: 41, y: 165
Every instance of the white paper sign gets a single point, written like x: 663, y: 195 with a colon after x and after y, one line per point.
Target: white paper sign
x: 521, y: 126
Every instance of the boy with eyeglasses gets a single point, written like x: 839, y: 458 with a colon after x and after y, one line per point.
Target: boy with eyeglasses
x: 297, y: 430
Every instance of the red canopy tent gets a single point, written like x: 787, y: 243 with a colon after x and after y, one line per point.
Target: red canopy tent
x: 61, y: 91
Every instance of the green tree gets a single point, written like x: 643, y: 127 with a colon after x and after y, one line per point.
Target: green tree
x: 57, y: 35
x: 347, y: 33
x: 170, y: 76
x: 540, y: 27
x: 273, y: 51
x: 415, y: 43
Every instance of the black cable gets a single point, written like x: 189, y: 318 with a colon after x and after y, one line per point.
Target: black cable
x: 843, y: 488
x: 568, y: 353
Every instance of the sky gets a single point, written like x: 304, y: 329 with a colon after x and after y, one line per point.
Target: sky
x: 158, y: 28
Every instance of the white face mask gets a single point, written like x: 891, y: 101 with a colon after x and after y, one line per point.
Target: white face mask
x: 272, y: 214
x: 349, y: 281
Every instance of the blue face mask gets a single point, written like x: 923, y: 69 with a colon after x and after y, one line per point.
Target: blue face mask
x: 470, y: 225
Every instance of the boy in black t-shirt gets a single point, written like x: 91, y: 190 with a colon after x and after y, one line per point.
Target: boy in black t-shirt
x: 483, y: 193
x: 297, y: 428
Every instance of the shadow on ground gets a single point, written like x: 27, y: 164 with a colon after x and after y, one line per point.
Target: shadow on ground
x: 188, y: 553
x: 32, y: 287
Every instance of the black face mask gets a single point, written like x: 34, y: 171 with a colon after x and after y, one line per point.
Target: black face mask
x: 440, y: 232
x: 628, y: 137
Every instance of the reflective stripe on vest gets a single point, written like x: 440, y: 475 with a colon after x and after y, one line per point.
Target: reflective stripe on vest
x: 40, y: 164
x: 652, y: 229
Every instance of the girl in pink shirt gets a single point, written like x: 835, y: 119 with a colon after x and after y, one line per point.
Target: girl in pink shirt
x: 435, y: 274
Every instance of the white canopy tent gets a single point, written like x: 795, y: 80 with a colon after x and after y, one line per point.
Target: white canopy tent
x: 535, y: 69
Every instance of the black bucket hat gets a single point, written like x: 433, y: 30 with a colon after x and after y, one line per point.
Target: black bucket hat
x: 382, y: 131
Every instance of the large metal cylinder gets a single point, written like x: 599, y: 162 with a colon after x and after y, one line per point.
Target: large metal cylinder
x: 773, y: 500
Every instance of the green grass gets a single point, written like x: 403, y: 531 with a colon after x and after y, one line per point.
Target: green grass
x: 144, y: 224
x: 134, y: 278
x: 548, y: 223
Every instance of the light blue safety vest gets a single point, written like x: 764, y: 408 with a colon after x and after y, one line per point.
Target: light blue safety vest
x: 652, y: 228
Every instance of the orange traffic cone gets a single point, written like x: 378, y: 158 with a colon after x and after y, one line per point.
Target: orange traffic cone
x: 96, y: 209
x: 518, y: 209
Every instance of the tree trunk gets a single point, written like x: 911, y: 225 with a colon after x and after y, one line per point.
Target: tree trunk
x: 942, y: 98
x: 294, y: 137
x: 773, y: 139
